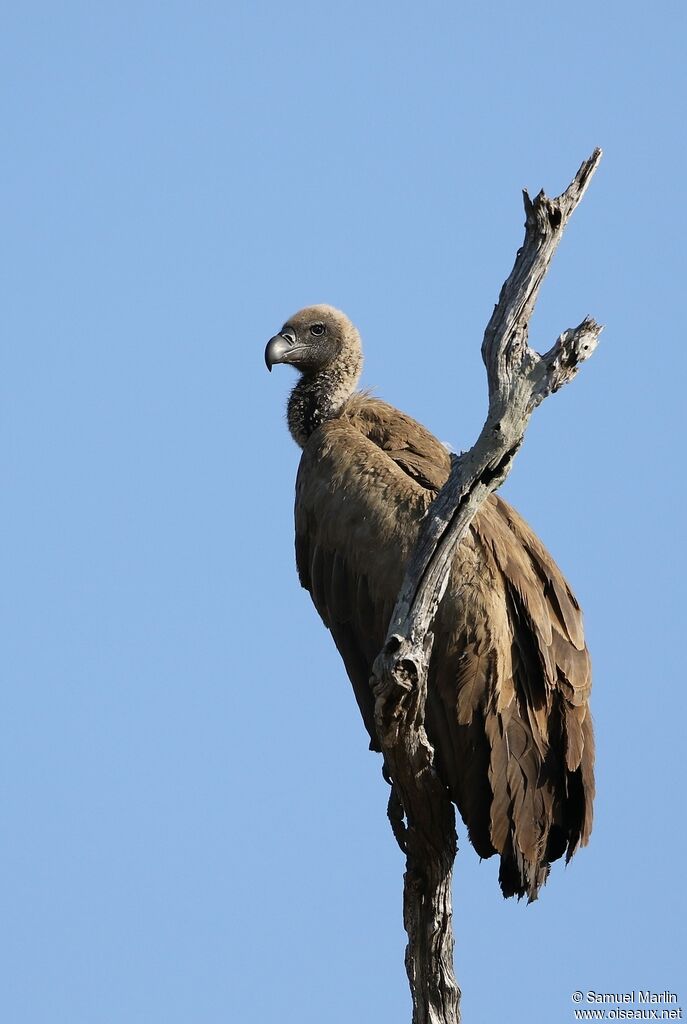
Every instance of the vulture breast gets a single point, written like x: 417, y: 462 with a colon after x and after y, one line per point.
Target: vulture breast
x: 510, y: 675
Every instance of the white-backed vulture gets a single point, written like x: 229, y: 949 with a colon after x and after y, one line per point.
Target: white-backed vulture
x: 509, y: 679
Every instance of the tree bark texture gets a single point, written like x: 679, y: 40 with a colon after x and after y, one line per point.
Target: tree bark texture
x: 420, y: 810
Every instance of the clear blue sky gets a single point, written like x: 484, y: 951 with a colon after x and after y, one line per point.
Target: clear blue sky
x: 192, y: 827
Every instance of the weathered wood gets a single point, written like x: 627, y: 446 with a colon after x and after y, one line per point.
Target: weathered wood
x: 420, y: 810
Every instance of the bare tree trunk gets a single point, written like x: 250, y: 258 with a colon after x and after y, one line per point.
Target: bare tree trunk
x: 420, y: 809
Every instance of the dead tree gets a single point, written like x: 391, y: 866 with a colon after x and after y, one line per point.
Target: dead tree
x: 420, y: 811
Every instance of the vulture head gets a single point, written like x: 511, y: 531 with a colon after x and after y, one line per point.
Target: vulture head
x: 323, y: 344
x: 315, y: 339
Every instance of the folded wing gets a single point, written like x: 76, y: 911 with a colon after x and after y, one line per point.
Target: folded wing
x: 510, y: 674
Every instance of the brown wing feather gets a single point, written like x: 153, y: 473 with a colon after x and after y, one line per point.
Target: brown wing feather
x: 510, y: 675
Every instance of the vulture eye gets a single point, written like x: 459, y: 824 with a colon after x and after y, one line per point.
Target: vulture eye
x: 317, y: 330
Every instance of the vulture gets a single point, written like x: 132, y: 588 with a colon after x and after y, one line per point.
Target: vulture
x: 509, y: 679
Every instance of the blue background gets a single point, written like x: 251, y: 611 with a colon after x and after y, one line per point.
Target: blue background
x: 192, y: 827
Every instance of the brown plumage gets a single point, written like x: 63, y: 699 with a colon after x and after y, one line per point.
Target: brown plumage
x: 509, y: 679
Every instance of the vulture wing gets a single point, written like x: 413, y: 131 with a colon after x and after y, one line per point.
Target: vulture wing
x: 510, y: 674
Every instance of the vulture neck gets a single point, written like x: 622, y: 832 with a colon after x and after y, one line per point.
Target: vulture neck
x: 321, y: 396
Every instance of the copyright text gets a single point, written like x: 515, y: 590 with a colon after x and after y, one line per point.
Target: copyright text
x: 639, y: 1004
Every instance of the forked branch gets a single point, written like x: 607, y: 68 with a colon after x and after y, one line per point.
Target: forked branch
x: 420, y: 809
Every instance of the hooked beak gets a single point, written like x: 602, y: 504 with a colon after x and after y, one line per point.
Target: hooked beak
x: 279, y: 346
